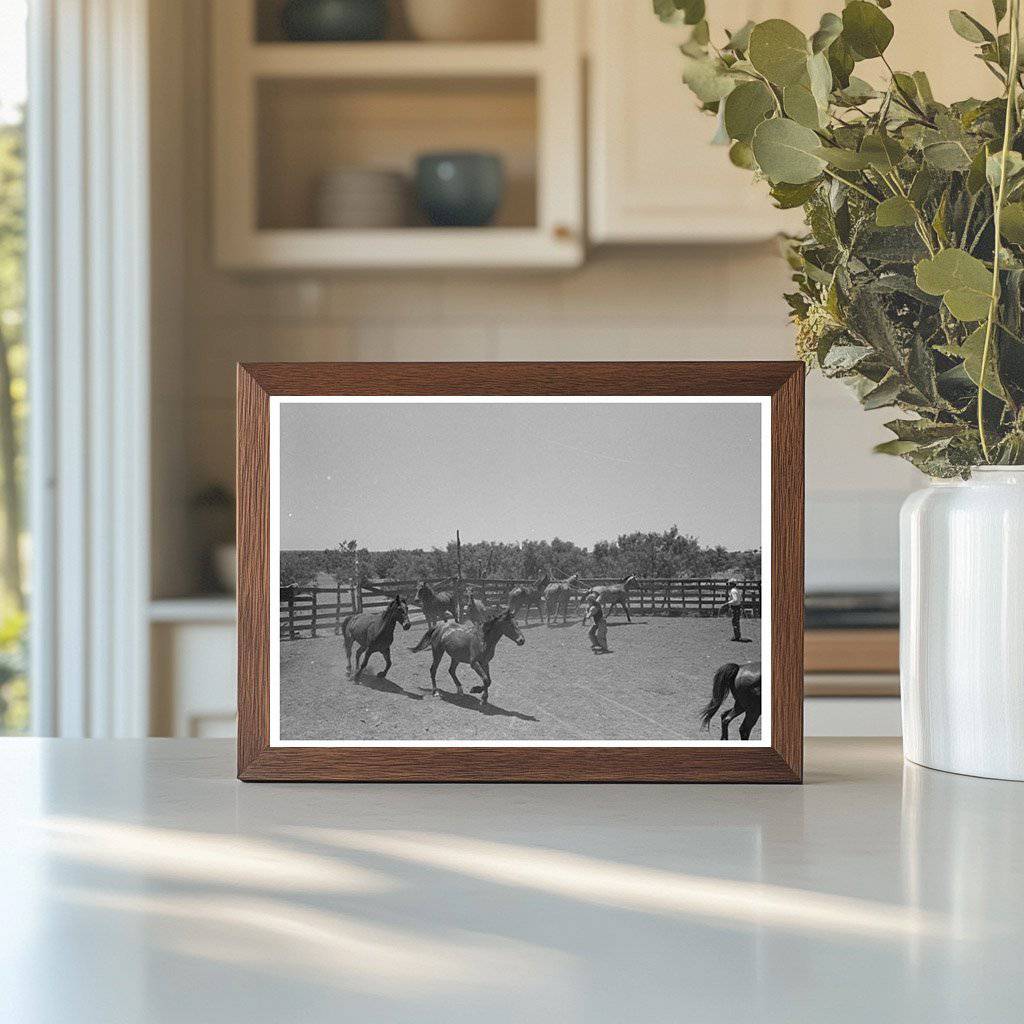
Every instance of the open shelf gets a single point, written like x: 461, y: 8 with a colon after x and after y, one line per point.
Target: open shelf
x: 393, y: 60
x: 309, y: 127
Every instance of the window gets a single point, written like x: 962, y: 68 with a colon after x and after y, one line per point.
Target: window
x: 14, y: 549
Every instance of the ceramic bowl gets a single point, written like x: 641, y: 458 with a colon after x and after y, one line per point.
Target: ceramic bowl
x: 333, y: 21
x: 460, y: 189
x: 470, y: 20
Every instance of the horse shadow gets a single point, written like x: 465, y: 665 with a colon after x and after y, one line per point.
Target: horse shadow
x: 464, y: 700
x: 384, y: 685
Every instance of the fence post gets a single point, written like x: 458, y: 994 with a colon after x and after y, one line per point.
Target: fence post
x: 337, y: 606
x: 289, y: 596
x: 313, y: 613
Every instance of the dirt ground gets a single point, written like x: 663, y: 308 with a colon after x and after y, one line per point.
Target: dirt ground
x: 651, y: 686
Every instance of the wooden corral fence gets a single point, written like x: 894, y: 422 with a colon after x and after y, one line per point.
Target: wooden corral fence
x: 319, y: 611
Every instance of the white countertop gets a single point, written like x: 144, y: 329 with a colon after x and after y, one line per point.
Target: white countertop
x: 141, y: 882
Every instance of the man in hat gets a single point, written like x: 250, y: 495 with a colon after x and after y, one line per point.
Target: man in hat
x: 735, y: 607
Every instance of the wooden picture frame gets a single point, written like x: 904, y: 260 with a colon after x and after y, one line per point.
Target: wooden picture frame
x: 779, y: 760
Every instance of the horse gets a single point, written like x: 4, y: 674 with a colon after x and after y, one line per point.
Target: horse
x: 472, y: 642
x: 436, y: 604
x: 373, y: 632
x: 556, y: 596
x: 613, y: 595
x: 477, y: 610
x: 524, y: 596
x: 744, y: 682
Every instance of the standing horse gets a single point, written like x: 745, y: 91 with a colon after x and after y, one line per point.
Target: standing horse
x: 556, y: 597
x: 471, y: 642
x: 436, y: 604
x: 613, y: 595
x: 373, y: 633
x: 744, y: 682
x: 526, y: 595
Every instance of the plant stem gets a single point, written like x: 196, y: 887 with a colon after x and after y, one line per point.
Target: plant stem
x: 853, y: 185
x: 1011, y: 108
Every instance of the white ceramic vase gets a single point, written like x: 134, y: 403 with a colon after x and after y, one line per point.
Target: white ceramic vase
x: 962, y: 624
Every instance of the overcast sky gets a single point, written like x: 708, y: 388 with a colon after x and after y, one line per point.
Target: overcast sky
x: 408, y: 475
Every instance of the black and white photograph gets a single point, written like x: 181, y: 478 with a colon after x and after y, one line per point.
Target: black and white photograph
x: 519, y: 571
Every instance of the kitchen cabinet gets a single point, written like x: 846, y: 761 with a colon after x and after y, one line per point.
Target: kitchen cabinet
x: 287, y: 114
x: 653, y: 177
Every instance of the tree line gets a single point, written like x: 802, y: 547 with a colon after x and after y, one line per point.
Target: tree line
x: 669, y: 554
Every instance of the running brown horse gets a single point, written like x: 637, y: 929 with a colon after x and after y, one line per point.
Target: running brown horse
x: 469, y: 642
x: 373, y: 633
x: 744, y: 682
x: 436, y: 604
x: 556, y: 597
x: 613, y: 595
x: 523, y: 597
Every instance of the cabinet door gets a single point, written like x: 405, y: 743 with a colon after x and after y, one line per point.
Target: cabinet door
x: 654, y: 176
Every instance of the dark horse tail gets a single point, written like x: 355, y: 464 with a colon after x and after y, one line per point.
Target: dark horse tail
x: 724, y: 678
x: 424, y: 640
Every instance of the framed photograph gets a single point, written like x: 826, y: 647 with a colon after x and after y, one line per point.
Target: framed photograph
x: 520, y: 571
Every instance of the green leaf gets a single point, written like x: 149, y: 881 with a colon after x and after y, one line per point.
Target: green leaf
x: 924, y: 88
x: 701, y: 34
x: 1012, y: 223
x: 739, y: 41
x: 883, y: 152
x: 923, y: 431
x: 895, y: 212
x: 976, y: 173
x: 841, y: 63
x: 866, y: 29
x: 829, y: 30
x: 963, y: 281
x: 741, y: 155
x: 707, y: 78
x: 844, y: 159
x: 788, y: 197
x: 947, y: 156
x: 666, y: 10
x: 885, y: 394
x: 971, y: 351
x: 787, y: 152
x: 999, y: 9
x: 800, y: 105
x: 779, y: 51
x: 857, y: 91
x: 895, y: 447
x: 689, y: 12
x: 969, y: 28
x: 993, y: 167
x: 819, y: 74
x: 922, y: 185
x: 745, y: 108
x: 939, y: 220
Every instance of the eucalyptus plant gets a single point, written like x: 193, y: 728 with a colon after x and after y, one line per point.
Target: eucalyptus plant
x: 910, y: 277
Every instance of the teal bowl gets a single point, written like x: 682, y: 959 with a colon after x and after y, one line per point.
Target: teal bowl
x: 460, y: 189
x: 334, y: 21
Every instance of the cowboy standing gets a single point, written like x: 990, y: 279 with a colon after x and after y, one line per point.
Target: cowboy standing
x: 598, y: 632
x: 735, y: 606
